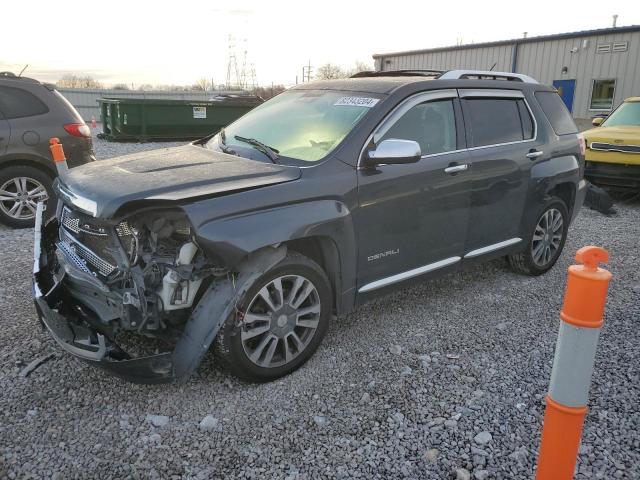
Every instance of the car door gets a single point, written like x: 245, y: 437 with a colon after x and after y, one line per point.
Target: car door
x: 412, y: 218
x: 503, y: 144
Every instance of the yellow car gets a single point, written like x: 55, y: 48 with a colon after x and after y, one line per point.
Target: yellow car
x: 613, y: 148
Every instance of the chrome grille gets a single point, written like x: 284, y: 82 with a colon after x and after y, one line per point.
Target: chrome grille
x: 70, y: 221
x: 71, y: 255
x: 75, y: 222
x: 84, y: 253
x: 124, y: 230
x: 609, y: 147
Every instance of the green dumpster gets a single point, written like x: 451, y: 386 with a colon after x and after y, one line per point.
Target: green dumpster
x: 146, y: 119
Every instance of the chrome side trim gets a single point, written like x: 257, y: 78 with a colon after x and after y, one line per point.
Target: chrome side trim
x: 491, y: 248
x: 84, y: 204
x: 400, y: 110
x: 383, y: 282
x: 485, y: 92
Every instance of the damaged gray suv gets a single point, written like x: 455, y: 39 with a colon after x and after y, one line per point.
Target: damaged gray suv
x: 326, y: 196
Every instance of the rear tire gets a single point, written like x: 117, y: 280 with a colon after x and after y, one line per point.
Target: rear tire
x: 283, y: 318
x: 21, y: 187
x: 545, y: 241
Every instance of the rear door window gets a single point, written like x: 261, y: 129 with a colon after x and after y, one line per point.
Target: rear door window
x: 557, y: 113
x: 18, y: 103
x: 493, y: 121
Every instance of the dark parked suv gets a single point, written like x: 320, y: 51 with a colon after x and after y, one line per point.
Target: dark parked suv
x: 30, y: 114
x: 318, y: 200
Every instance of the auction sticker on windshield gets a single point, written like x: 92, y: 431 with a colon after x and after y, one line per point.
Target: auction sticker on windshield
x: 357, y: 101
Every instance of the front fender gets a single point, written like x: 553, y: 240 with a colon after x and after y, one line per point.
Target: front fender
x: 233, y: 238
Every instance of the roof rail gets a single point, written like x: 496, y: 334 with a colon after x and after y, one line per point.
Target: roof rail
x: 486, y: 75
x: 398, y: 73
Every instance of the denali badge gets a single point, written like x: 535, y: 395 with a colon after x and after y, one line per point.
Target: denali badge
x: 378, y: 256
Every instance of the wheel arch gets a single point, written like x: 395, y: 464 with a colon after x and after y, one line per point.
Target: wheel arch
x: 28, y: 161
x: 565, y: 191
x: 324, y: 251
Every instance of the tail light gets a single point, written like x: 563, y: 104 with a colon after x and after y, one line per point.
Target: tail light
x: 78, y: 129
x: 583, y: 144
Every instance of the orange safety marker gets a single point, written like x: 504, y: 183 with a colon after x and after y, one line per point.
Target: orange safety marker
x: 581, y: 315
x: 57, y: 152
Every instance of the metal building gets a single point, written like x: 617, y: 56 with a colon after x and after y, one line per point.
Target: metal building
x: 593, y: 70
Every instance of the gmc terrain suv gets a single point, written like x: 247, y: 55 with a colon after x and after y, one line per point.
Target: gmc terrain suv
x: 30, y: 113
x: 320, y: 199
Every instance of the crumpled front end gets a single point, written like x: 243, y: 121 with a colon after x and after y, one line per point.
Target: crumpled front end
x: 142, y: 278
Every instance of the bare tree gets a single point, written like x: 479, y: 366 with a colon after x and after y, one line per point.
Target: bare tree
x: 75, y: 81
x: 268, y: 92
x: 145, y: 87
x: 359, y: 66
x: 203, y: 84
x: 329, y: 71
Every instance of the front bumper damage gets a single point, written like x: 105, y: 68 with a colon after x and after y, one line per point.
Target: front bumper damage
x: 73, y: 285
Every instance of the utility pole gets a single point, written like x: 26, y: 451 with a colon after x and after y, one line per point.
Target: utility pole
x: 306, y: 72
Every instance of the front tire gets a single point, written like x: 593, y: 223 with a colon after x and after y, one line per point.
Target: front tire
x: 282, y: 319
x: 545, y: 241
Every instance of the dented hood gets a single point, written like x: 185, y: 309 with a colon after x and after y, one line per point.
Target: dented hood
x: 179, y: 173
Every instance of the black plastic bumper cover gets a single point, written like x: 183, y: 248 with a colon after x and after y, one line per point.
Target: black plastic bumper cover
x: 613, y: 175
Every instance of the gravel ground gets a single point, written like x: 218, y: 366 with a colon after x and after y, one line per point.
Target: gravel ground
x: 442, y: 380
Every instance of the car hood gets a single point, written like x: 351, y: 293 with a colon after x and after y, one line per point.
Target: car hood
x: 622, y: 135
x: 170, y: 174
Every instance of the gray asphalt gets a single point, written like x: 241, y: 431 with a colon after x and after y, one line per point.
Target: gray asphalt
x: 444, y: 379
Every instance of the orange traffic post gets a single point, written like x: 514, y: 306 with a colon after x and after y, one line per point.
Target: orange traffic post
x: 581, y: 316
x: 57, y: 152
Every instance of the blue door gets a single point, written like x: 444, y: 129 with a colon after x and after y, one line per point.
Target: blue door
x: 566, y: 89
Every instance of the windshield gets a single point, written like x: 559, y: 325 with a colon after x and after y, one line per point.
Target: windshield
x: 300, y: 124
x: 627, y: 114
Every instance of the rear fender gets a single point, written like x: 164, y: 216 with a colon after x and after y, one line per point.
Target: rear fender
x: 545, y: 177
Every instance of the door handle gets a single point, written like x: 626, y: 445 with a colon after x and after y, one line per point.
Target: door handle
x: 533, y: 154
x: 456, y: 168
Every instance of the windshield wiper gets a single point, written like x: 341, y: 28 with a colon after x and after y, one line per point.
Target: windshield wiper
x: 270, y: 152
x: 223, y: 143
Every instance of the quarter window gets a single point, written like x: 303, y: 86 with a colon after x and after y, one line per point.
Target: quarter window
x: 431, y: 124
x: 498, y: 120
x: 557, y: 113
x: 18, y: 103
x: 602, y: 94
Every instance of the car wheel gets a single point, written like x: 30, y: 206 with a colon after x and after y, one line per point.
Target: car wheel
x: 545, y: 241
x: 280, y: 321
x: 21, y: 188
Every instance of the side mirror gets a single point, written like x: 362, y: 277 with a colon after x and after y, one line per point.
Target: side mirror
x: 596, y: 122
x: 394, y: 151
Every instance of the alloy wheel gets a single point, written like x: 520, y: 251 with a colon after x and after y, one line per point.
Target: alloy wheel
x: 19, y: 197
x: 547, y: 237
x: 280, y: 321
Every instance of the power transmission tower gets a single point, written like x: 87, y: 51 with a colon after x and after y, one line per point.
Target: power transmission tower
x: 232, y: 66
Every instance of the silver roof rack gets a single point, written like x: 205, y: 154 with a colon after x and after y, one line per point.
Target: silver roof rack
x: 486, y: 75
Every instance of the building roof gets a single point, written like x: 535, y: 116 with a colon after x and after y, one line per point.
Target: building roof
x: 542, y: 38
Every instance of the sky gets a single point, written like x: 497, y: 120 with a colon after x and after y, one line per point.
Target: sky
x: 161, y: 42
